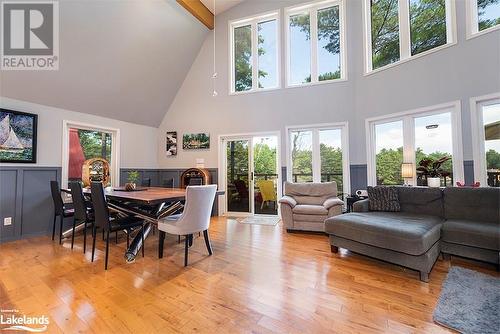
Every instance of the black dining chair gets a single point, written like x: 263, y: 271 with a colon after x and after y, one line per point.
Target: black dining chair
x: 107, y: 223
x: 60, y: 209
x: 83, y: 212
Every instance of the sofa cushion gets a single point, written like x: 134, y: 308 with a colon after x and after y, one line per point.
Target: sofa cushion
x: 383, y: 198
x: 472, y: 233
x: 305, y: 209
x: 311, y: 193
x: 309, y: 218
x: 402, y: 232
x: 475, y: 204
x: 422, y: 200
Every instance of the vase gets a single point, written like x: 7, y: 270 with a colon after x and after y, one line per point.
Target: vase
x: 434, y: 182
x: 130, y: 186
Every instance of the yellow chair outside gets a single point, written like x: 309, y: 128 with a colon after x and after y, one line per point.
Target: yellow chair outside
x: 267, y: 191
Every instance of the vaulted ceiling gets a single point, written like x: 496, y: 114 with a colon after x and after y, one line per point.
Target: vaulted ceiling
x: 119, y: 59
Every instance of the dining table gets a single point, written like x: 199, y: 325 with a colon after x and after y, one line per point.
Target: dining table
x: 149, y: 203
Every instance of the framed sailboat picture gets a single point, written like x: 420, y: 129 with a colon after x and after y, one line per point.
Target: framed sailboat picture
x: 17, y: 136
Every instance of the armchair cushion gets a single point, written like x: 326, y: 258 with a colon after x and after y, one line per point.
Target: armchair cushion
x: 332, y: 202
x: 288, y: 200
x: 305, y: 209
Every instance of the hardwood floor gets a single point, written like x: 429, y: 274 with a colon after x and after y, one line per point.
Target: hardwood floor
x: 259, y: 280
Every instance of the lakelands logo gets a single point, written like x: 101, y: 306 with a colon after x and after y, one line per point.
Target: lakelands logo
x: 30, y: 35
x: 15, y: 322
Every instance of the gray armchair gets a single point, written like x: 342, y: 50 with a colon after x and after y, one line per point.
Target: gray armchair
x: 305, y: 206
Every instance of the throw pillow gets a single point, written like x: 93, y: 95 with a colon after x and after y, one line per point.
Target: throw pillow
x: 383, y: 199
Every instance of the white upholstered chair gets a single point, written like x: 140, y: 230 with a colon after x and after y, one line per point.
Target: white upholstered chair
x: 195, y: 218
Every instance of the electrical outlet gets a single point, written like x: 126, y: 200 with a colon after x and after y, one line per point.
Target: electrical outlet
x: 7, y: 221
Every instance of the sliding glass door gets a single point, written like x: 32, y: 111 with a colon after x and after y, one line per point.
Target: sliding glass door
x: 251, y: 174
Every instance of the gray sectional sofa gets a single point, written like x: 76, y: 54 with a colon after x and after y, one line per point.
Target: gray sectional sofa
x: 456, y: 221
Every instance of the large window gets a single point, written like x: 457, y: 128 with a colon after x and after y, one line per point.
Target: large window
x: 397, y: 30
x: 319, y: 154
x: 485, y: 113
x: 81, y: 144
x: 414, y: 137
x: 315, y: 48
x: 255, y: 53
x: 484, y: 16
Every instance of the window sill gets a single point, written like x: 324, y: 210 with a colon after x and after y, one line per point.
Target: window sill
x: 483, y: 32
x: 403, y: 61
x: 309, y: 84
x: 252, y: 91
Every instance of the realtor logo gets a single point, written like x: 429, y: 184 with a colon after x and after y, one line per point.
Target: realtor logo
x: 30, y: 35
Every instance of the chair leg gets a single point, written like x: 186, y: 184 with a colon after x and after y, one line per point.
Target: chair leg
x: 142, y: 236
x: 94, y: 236
x: 161, y: 242
x: 84, y: 236
x: 207, y: 242
x: 73, y: 233
x: 116, y: 237
x: 186, y: 249
x: 61, y: 221
x: 54, y: 227
x: 107, y: 251
x: 102, y: 234
x: 178, y: 239
x: 190, y: 238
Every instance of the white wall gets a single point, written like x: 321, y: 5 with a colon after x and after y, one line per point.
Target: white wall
x: 470, y: 68
x: 138, y: 142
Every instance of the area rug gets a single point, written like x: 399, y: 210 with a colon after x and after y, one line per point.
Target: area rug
x: 469, y: 302
x: 260, y: 220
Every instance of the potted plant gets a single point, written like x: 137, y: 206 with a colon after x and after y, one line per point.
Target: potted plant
x: 132, y: 178
x: 432, y: 170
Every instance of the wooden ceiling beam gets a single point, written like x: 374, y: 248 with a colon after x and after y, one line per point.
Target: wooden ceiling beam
x: 198, y: 10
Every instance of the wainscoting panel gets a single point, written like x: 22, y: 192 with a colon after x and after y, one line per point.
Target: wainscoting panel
x: 469, y: 172
x: 359, y: 180
x: 36, y: 198
x: 25, y: 196
x: 8, y: 185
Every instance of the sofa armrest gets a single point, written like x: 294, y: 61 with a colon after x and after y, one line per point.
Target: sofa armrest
x: 289, y: 201
x: 332, y: 201
x: 361, y: 206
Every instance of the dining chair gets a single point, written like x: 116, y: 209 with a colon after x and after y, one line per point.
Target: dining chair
x: 168, y: 183
x: 110, y: 224
x: 195, y: 218
x: 60, y: 209
x: 83, y: 212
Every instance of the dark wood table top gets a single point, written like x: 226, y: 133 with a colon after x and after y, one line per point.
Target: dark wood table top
x: 148, y: 195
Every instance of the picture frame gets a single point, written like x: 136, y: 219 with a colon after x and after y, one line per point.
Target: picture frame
x: 18, y: 136
x: 196, y: 141
x: 171, y: 145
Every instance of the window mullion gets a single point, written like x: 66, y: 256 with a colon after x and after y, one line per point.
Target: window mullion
x: 255, y: 56
x: 404, y: 29
x: 313, y: 14
x: 409, y: 144
x: 316, y: 163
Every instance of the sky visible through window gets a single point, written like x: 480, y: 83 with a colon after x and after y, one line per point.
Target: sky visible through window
x: 491, y: 114
x: 489, y: 13
x: 300, y: 53
x: 267, y: 54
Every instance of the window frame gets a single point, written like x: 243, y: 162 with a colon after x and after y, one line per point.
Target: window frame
x: 478, y: 149
x: 253, y: 21
x: 115, y: 149
x: 316, y: 156
x: 472, y: 24
x: 408, y: 118
x: 312, y: 8
x: 404, y: 35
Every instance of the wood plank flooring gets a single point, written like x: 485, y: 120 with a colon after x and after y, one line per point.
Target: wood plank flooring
x: 259, y: 280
